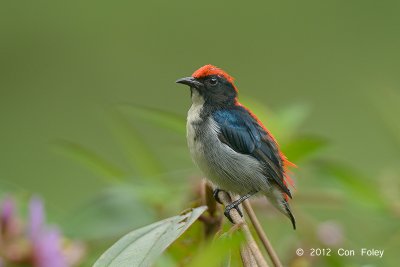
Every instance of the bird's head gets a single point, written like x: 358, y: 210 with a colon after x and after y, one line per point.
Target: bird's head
x: 211, y: 85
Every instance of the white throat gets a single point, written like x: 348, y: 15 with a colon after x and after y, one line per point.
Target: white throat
x: 195, y: 109
x: 197, y: 99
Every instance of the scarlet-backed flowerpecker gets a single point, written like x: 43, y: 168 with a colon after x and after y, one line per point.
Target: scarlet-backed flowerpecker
x: 230, y: 145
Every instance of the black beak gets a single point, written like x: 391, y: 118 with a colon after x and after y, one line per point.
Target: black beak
x: 190, y: 81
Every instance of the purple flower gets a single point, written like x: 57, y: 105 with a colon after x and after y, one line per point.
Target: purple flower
x: 7, y: 209
x: 47, y: 250
x: 36, y: 217
x: 7, y: 217
x: 46, y: 242
x: 6, y: 212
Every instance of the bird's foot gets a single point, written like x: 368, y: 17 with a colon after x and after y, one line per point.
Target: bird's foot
x: 233, y: 205
x: 215, y: 194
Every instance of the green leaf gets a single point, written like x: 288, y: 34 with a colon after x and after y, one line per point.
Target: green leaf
x: 388, y: 108
x: 133, y: 144
x: 291, y: 117
x: 155, y: 192
x: 91, y: 160
x: 281, y: 124
x: 165, y: 260
x: 218, y: 252
x: 143, y: 246
x: 302, y: 147
x: 161, y: 118
x: 354, y: 182
x: 110, y: 214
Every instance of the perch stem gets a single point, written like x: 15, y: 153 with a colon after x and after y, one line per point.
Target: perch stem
x: 238, y: 220
x: 248, y: 259
x: 261, y: 234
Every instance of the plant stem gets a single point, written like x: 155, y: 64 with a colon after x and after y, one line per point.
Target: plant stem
x: 248, y: 259
x: 261, y: 234
x: 212, y: 221
x: 238, y: 220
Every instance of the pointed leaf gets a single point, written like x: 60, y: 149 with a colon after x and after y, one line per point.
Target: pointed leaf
x: 91, y: 160
x: 218, y: 252
x: 143, y: 246
x: 281, y: 124
x: 134, y: 145
x: 108, y: 215
x: 302, y: 147
x: 388, y: 108
x: 354, y: 182
x: 159, y: 117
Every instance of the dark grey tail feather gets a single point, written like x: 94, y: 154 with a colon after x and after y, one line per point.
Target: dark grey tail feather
x: 289, y: 213
x: 277, y: 199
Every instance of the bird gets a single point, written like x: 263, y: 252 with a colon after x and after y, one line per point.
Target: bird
x: 231, y: 146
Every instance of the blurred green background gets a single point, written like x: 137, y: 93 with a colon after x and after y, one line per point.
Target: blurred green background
x: 69, y: 69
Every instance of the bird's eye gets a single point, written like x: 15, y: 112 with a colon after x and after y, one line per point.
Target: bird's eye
x: 213, y: 81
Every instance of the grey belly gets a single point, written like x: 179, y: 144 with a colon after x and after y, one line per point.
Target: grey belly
x: 224, y: 167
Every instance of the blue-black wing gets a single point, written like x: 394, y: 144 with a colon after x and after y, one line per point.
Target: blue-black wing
x: 241, y: 131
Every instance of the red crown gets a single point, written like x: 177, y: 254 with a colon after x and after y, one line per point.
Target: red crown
x: 211, y: 70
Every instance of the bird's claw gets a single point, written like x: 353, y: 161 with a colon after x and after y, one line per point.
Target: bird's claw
x: 228, y: 209
x: 215, y: 194
x: 233, y: 205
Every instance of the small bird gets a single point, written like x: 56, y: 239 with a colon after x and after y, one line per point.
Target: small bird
x: 231, y: 146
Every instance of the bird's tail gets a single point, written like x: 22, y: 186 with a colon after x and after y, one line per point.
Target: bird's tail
x: 279, y: 200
